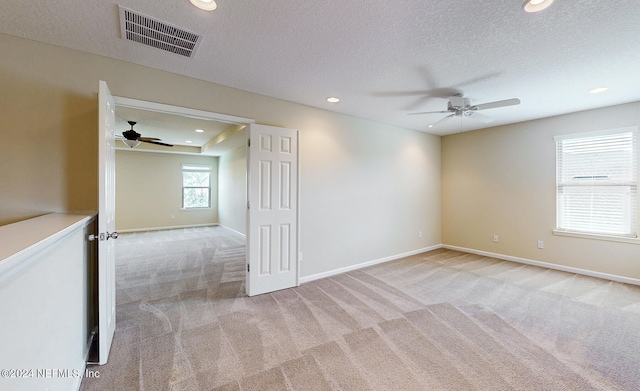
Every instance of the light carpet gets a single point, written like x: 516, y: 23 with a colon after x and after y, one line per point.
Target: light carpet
x: 441, y: 320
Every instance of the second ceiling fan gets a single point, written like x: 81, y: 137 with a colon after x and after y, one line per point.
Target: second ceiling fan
x: 132, y: 138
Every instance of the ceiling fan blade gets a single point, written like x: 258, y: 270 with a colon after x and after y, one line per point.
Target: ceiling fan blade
x: 149, y: 139
x: 431, y: 112
x: 156, y: 142
x: 499, y: 103
x: 480, y: 117
x: 441, y: 119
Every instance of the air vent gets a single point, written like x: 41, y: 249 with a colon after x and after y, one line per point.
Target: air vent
x: 149, y: 31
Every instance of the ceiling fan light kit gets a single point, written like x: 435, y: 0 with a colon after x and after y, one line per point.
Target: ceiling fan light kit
x: 536, y: 5
x: 131, y: 143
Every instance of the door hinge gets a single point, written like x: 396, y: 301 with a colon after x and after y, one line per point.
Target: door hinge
x: 248, y: 268
x: 248, y: 204
x: 248, y: 142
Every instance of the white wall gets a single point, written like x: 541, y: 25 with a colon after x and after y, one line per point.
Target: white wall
x: 367, y: 191
x: 232, y: 190
x: 502, y: 181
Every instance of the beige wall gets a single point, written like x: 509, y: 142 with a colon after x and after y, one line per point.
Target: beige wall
x: 48, y: 124
x: 149, y: 191
x: 232, y: 190
x: 366, y: 188
x: 502, y: 181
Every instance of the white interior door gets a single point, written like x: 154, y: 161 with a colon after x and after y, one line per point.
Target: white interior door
x: 106, y: 222
x: 272, y: 227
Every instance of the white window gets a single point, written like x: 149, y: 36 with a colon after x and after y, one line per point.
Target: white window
x: 196, y: 186
x: 597, y: 182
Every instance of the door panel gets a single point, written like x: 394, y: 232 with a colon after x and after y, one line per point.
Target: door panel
x: 272, y: 234
x: 106, y: 222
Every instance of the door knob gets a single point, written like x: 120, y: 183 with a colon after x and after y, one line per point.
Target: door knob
x: 102, y: 236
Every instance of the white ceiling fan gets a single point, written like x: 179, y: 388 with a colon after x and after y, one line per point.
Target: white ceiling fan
x: 459, y: 106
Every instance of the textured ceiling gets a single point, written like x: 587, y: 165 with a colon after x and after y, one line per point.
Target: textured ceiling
x: 383, y: 59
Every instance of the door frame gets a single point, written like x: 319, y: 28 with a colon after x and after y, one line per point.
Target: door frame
x: 178, y: 110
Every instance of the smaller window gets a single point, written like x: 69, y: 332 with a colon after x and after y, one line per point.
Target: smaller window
x: 196, y: 186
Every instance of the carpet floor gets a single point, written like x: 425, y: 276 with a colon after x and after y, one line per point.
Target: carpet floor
x: 441, y: 320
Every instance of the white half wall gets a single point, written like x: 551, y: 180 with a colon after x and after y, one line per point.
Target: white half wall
x: 45, y: 302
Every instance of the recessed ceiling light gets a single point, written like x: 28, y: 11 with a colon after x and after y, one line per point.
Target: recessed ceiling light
x: 188, y: 141
x: 536, y: 5
x: 207, y: 5
x: 333, y: 99
x: 430, y: 126
x: 199, y: 131
x: 598, y: 90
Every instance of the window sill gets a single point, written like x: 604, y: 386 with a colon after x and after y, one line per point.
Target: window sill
x: 194, y: 209
x: 608, y: 238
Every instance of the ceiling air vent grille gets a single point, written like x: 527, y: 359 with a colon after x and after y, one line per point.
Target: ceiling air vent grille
x: 158, y: 34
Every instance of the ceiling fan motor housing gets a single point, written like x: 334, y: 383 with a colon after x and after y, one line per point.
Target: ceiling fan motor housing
x: 461, y: 106
x: 131, y: 134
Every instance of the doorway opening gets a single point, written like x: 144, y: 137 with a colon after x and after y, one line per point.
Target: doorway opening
x: 150, y: 184
x: 199, y: 138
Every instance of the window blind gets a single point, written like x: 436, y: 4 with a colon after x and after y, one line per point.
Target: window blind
x: 597, y: 183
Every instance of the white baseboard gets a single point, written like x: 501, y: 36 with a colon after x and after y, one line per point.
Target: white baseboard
x: 365, y: 264
x: 590, y: 273
x: 231, y: 229
x: 124, y: 231
x: 568, y: 269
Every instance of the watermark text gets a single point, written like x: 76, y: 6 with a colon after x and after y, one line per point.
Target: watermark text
x: 25, y: 373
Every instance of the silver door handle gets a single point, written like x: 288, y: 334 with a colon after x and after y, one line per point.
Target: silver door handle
x: 102, y: 236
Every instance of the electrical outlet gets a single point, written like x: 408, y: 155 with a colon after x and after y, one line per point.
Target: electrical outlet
x: 419, y: 234
x: 540, y: 244
x: 495, y: 238
x: 173, y: 217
